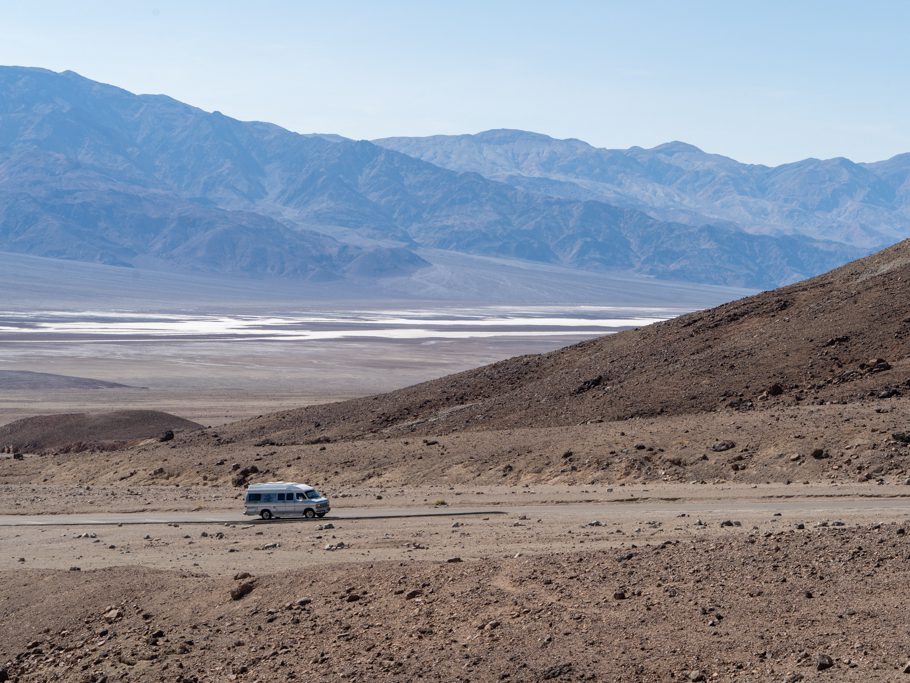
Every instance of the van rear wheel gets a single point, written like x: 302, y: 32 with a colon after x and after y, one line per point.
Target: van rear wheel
x: 309, y: 513
x: 266, y: 514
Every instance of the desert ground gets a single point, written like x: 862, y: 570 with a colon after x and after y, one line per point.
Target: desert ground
x: 727, y: 530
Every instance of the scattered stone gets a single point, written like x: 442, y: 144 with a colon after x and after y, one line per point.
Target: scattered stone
x: 823, y: 662
x: 453, y: 560
x: 241, y: 591
x: 595, y: 522
x: 166, y: 436
x: 113, y: 615
x: 337, y: 546
x: 411, y: 594
x: 730, y: 522
x: 557, y: 671
x: 240, y: 576
x: 620, y: 594
x: 820, y: 454
x: 902, y: 437
x: 775, y: 390
x: 722, y: 446
x: 696, y: 676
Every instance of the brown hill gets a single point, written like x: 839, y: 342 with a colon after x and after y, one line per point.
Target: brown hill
x: 88, y: 431
x: 23, y: 380
x: 840, y: 337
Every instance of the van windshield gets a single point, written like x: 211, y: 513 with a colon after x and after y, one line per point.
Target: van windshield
x: 313, y: 495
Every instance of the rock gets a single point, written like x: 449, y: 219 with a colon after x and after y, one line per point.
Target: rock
x: 902, y: 437
x: 240, y: 576
x: 4, y: 674
x: 730, y: 522
x: 167, y: 436
x: 696, y: 676
x: 352, y: 597
x: 557, y: 671
x: 620, y: 594
x: 454, y: 559
x: 823, y: 662
x: 112, y: 615
x: 411, y: 594
x: 820, y: 454
x: 878, y: 365
x: 722, y: 446
x: 241, y: 591
x: 905, y: 670
x: 589, y: 384
x: 325, y: 527
x: 775, y: 390
x: 303, y: 602
x: 455, y: 525
x: 595, y: 522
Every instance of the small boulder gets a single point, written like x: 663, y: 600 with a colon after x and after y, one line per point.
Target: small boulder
x: 722, y: 446
x: 241, y: 591
x: 823, y: 662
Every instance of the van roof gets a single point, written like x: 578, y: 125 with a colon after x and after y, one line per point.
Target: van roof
x: 279, y: 484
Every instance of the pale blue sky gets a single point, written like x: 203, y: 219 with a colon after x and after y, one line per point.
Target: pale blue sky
x: 763, y: 82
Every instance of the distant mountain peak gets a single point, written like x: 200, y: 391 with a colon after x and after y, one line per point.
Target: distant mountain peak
x: 677, y: 147
x: 509, y: 135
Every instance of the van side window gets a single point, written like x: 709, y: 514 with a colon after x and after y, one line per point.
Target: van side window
x: 280, y: 496
x: 300, y: 496
x: 268, y: 497
x: 253, y: 497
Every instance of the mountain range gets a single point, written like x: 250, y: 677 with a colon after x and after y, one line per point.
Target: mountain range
x: 93, y: 173
x: 865, y: 205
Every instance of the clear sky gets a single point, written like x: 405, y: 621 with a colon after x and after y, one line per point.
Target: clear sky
x: 762, y: 81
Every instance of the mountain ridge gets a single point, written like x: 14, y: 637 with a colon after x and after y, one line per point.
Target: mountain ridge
x: 861, y: 204
x: 94, y: 173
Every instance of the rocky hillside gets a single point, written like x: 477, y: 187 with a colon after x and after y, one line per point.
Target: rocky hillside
x: 843, y: 336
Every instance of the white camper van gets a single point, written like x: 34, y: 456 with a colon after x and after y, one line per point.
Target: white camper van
x: 285, y: 499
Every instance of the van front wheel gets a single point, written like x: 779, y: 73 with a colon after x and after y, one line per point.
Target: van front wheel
x: 266, y: 514
x: 309, y: 513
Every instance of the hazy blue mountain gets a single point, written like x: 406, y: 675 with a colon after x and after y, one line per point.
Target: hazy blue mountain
x: 865, y: 205
x: 94, y: 173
